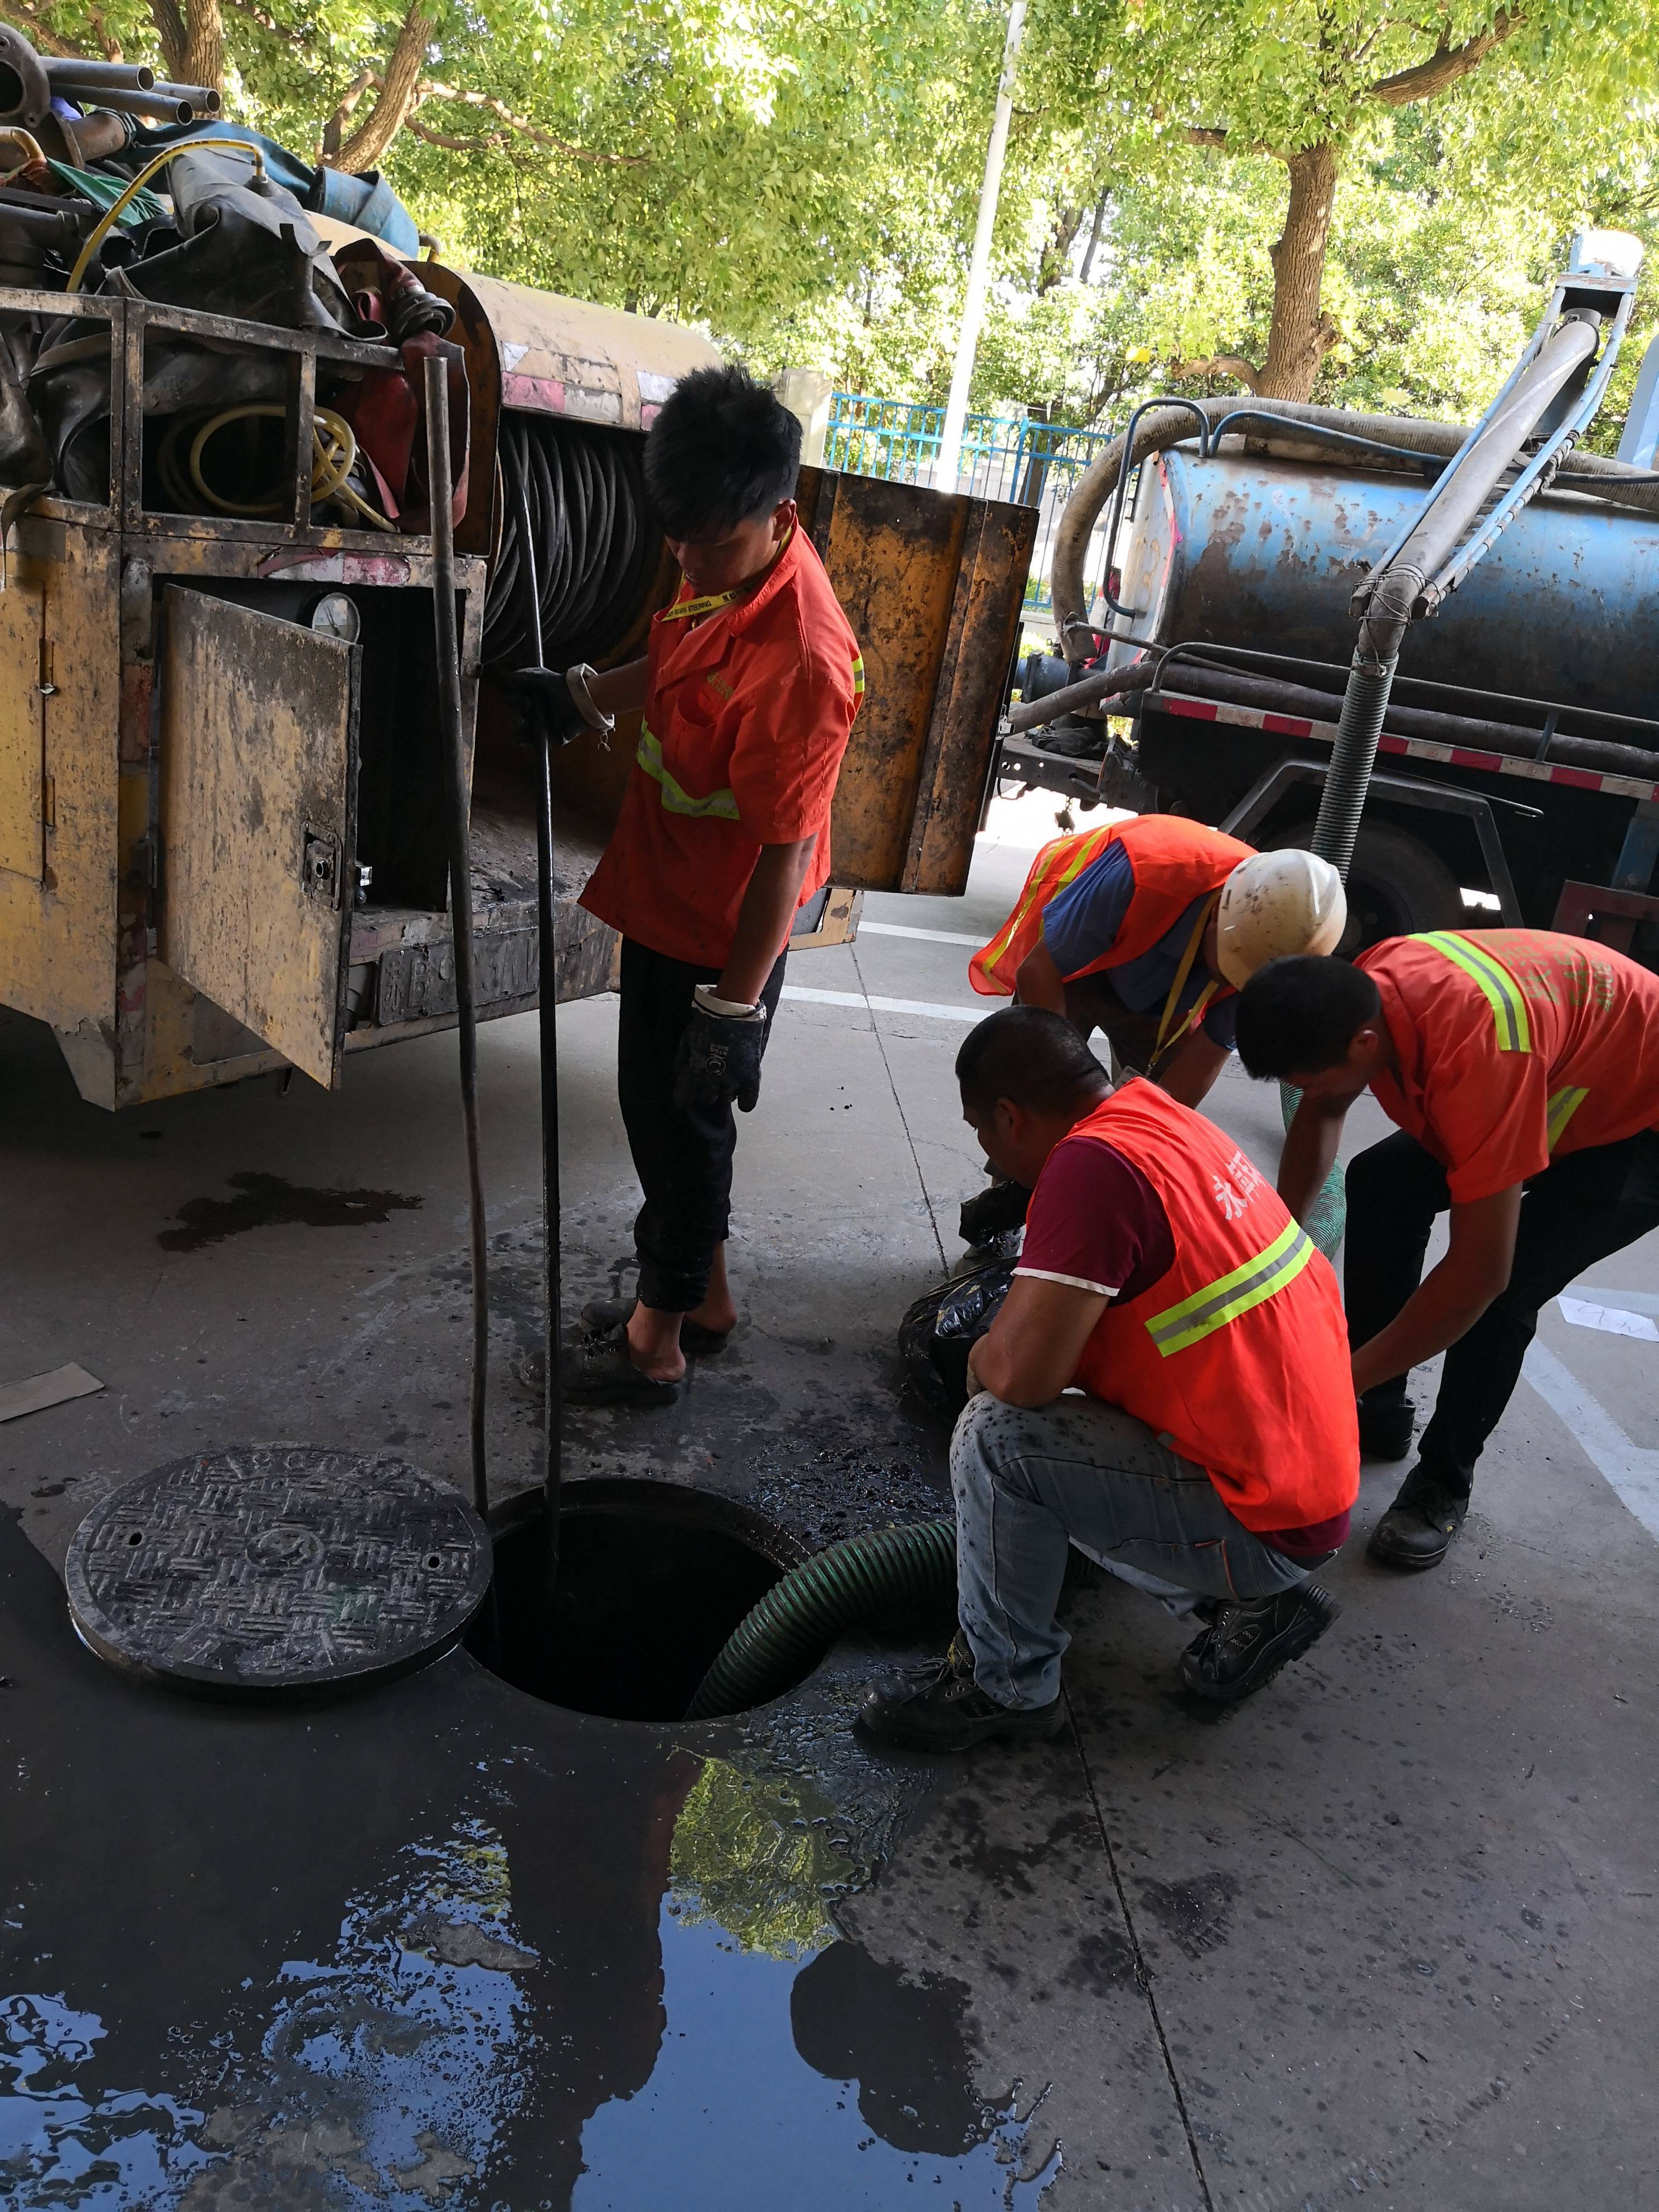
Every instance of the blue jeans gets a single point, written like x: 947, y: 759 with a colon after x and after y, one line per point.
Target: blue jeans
x: 1031, y: 1480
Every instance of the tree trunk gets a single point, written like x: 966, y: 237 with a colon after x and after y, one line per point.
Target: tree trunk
x: 204, y: 47
x: 192, y: 35
x: 1300, y: 336
x: 398, y: 98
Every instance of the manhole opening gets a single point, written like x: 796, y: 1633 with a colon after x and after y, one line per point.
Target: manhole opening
x: 653, y: 1579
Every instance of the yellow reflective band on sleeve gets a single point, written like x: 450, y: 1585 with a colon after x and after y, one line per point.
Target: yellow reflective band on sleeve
x: 1498, y: 987
x: 1219, y: 1303
x: 721, y: 804
x: 858, y: 676
x: 1563, y: 1105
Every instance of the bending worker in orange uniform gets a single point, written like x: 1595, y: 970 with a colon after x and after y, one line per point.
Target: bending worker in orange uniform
x: 749, y: 687
x: 1522, y: 1068
x: 1146, y: 928
x: 1208, y: 1452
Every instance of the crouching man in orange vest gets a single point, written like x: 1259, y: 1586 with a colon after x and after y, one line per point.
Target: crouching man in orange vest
x: 1212, y: 1456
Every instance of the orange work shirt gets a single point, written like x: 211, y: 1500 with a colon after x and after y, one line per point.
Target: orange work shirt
x: 747, y: 716
x: 1515, y: 1047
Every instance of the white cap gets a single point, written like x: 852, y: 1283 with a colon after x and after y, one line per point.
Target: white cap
x: 1276, y: 903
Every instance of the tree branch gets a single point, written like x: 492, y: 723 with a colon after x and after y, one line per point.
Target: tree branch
x: 334, y: 129
x: 168, y: 15
x: 1447, y: 64
x: 430, y: 88
x: 1194, y: 136
x: 48, y: 40
x: 270, y: 26
x: 398, y: 94
x: 1218, y: 364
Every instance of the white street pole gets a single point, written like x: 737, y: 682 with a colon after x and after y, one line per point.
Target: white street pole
x: 949, y: 464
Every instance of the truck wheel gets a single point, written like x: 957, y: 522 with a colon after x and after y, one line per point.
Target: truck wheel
x: 1396, y: 886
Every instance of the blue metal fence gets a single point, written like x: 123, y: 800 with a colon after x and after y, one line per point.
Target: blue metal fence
x: 1003, y: 457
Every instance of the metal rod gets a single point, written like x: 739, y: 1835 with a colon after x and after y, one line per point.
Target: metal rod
x: 452, y: 730
x: 70, y: 70
x: 150, y: 106
x: 547, y: 1027
x: 202, y: 97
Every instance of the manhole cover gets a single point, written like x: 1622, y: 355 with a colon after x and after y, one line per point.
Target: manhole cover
x: 273, y: 1570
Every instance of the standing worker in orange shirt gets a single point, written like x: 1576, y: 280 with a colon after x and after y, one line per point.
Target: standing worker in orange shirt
x: 1522, y: 1068
x: 749, y: 686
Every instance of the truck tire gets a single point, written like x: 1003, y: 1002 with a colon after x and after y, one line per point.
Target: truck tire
x: 1396, y: 886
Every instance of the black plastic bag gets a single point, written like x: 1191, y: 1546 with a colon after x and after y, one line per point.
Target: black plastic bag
x: 942, y: 1327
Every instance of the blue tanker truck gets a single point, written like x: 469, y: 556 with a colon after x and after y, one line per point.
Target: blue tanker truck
x: 1516, y: 757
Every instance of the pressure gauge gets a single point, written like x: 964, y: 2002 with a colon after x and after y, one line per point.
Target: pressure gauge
x: 337, y: 615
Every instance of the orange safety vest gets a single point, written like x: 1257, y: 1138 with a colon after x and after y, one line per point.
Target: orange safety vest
x: 1174, y: 861
x: 1238, y: 1356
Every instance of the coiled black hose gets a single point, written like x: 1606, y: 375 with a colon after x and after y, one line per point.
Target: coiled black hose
x: 596, y: 548
x: 902, y: 1569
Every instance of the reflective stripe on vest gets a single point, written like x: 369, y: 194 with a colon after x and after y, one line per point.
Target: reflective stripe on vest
x: 1498, y: 987
x: 1060, y: 862
x: 723, y: 805
x: 1563, y: 1105
x: 858, y: 676
x: 1225, y: 1300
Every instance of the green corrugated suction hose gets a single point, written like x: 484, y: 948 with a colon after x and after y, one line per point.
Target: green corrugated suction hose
x: 777, y: 1641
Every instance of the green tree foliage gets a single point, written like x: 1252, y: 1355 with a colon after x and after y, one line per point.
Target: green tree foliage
x: 752, y: 1856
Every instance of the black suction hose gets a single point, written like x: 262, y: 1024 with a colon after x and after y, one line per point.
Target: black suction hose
x: 547, y: 1029
x: 904, y: 1570
x: 457, y: 814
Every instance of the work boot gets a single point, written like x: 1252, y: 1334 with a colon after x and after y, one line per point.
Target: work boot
x: 951, y: 1712
x: 1417, y: 1531
x: 1246, y: 1645
x: 599, y: 1372
x: 1385, y: 1427
x: 600, y: 1315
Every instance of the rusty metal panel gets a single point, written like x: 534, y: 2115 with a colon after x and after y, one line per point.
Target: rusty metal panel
x: 933, y: 583
x: 57, y: 915
x: 21, y: 778
x: 892, y: 554
x: 985, y: 621
x: 258, y: 738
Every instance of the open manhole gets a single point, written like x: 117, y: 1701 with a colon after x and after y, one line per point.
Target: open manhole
x: 653, y: 1579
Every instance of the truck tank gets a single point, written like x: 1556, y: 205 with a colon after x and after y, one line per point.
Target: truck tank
x: 1256, y: 552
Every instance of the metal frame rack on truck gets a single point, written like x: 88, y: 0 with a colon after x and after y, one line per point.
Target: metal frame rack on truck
x: 1520, y: 749
x: 222, y: 849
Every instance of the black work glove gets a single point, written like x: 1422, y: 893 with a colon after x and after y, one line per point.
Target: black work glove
x: 546, y: 708
x: 993, y: 1213
x: 718, y: 1060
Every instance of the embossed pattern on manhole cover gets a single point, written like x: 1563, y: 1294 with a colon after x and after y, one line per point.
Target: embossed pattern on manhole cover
x: 271, y: 1571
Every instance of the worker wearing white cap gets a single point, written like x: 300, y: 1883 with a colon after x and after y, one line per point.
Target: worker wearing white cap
x: 1146, y: 929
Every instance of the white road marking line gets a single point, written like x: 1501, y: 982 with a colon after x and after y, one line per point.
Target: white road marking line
x: 1630, y: 1471
x: 1616, y: 1321
x: 1641, y: 1302
x: 906, y: 929
x: 884, y: 1006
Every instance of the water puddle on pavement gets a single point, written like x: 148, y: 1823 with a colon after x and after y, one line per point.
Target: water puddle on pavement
x: 605, y: 1988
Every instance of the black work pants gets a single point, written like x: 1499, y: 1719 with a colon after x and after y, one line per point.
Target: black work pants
x: 1574, y: 1214
x: 682, y: 1156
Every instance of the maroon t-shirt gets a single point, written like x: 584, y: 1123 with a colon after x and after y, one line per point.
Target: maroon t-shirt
x: 1097, y: 1224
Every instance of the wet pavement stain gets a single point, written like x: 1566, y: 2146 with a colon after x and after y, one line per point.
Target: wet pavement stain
x: 446, y: 1946
x: 270, y: 1201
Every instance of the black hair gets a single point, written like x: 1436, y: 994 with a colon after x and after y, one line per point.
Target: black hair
x: 1034, y: 1058
x: 723, y: 449
x: 1300, y: 1014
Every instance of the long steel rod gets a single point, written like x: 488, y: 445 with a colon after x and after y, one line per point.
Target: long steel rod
x: 547, y: 1031
x: 457, y: 812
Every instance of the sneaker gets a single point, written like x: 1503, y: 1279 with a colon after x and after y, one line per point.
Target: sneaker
x: 600, y: 1315
x: 1385, y: 1428
x: 951, y: 1712
x: 1417, y: 1531
x: 600, y: 1373
x: 1246, y: 1645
